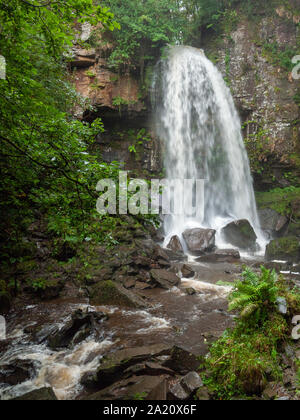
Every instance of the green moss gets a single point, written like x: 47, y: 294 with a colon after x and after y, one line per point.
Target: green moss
x: 279, y: 199
x: 108, y: 293
x: 283, y: 248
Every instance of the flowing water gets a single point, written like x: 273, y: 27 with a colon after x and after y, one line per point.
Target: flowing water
x: 197, y: 120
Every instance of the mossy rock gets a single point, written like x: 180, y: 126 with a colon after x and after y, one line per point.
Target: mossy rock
x: 111, y: 293
x: 287, y: 249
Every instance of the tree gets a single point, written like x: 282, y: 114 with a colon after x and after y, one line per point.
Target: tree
x: 45, y: 165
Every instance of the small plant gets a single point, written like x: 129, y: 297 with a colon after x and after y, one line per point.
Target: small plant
x: 140, y: 396
x: 38, y: 284
x: 132, y: 149
x: 90, y: 73
x: 255, y: 297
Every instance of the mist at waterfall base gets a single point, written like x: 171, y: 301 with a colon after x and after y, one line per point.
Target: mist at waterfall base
x: 196, y: 119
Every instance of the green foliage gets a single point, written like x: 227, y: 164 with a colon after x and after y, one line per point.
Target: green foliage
x: 280, y: 57
x: 242, y: 360
x: 45, y: 164
x: 255, y: 296
x: 279, y: 199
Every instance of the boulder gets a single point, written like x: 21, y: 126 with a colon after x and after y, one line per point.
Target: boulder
x: 221, y: 256
x: 240, y: 234
x: 182, y: 361
x: 76, y: 330
x: 175, y: 245
x: 191, y: 382
x: 272, y: 222
x: 112, y: 293
x: 165, y: 279
x: 16, y: 372
x: 176, y: 392
x: 286, y: 249
x: 114, y: 367
x: 160, y: 254
x: 42, y: 394
x: 199, y: 240
x: 175, y: 256
x: 187, y: 272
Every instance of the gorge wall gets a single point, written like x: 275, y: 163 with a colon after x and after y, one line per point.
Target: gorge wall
x: 253, y: 52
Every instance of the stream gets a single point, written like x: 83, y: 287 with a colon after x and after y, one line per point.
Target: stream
x: 173, y: 318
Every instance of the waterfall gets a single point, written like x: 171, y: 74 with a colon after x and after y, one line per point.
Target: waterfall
x: 197, y: 120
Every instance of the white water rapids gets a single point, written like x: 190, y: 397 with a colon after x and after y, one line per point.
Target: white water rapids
x: 198, y: 122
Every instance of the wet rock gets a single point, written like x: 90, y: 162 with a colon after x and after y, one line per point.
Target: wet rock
x: 160, y: 254
x: 16, y: 372
x: 129, y: 282
x: 143, y: 262
x: 175, y: 245
x: 134, y: 388
x: 240, y: 234
x: 41, y: 334
x: 175, y: 256
x: 78, y: 329
x: 190, y: 291
x: 165, y: 279
x: 181, y: 361
x: 286, y: 249
x: 42, y: 394
x: 112, y: 367
x: 176, y: 392
x: 221, y: 255
x: 191, y: 382
x: 199, y: 241
x: 112, y: 293
x: 142, y: 286
x: 164, y: 264
x: 272, y: 222
x: 187, y: 272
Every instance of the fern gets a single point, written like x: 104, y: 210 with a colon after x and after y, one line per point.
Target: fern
x: 255, y: 295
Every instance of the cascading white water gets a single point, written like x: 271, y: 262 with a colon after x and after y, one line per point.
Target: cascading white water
x: 197, y: 120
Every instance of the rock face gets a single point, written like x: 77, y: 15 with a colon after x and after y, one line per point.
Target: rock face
x: 264, y: 90
x: 175, y: 244
x: 240, y: 234
x: 199, y: 241
x: 272, y: 222
x: 286, y: 249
